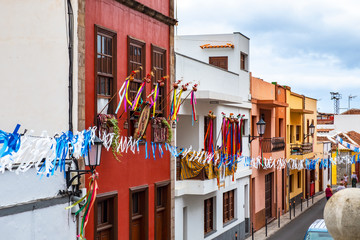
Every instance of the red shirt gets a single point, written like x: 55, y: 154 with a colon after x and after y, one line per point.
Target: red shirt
x: 328, y: 192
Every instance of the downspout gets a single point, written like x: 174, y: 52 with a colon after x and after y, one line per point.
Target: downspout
x: 71, y: 53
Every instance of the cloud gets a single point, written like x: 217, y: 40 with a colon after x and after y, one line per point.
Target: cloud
x: 311, y: 45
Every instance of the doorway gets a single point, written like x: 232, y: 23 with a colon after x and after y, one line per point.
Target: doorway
x: 268, y: 195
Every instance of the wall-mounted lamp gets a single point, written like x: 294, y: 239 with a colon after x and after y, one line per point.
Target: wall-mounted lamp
x: 260, y: 125
x: 173, y: 125
x: 92, y: 160
x: 311, y: 130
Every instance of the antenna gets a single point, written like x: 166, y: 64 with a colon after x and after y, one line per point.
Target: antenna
x: 349, y: 99
x: 336, y: 97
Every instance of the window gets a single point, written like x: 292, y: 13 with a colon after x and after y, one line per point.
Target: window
x: 105, y: 216
x: 136, y: 59
x: 243, y: 61
x: 291, y: 180
x: 158, y: 61
x: 221, y: 62
x: 105, y: 73
x: 299, y: 179
x: 298, y: 130
x: 138, y: 212
x: 228, y: 206
x: 158, y: 66
x: 281, y: 127
x: 291, y: 134
x: 208, y: 215
x: 162, y: 210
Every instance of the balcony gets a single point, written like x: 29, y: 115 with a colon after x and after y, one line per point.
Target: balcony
x: 275, y: 144
x: 201, y: 184
x: 217, y: 84
x: 301, y: 149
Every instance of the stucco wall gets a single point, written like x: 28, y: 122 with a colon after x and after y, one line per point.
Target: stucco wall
x: 194, y: 211
x: 34, y: 68
x: 347, y: 123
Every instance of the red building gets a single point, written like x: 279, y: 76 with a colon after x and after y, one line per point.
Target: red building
x: 133, y: 200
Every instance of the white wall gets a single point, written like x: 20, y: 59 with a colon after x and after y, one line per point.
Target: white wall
x: 347, y: 123
x: 34, y: 93
x: 34, y: 65
x: 190, y: 46
x: 231, y: 90
x: 195, y: 212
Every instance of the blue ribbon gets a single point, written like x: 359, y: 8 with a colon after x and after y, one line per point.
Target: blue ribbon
x: 146, y: 151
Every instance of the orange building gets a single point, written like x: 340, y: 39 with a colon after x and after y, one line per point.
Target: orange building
x: 268, y: 192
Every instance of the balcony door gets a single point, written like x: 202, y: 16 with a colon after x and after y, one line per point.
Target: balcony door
x: 268, y: 195
x: 162, y: 210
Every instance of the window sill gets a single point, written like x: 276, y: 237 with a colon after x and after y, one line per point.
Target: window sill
x: 209, y: 233
x: 230, y: 222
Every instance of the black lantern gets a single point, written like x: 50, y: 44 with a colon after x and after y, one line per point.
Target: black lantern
x: 312, y: 129
x: 91, y: 160
x: 93, y: 157
x: 261, y: 127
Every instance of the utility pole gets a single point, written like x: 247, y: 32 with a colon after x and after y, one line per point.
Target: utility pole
x: 336, y: 97
x: 349, y: 99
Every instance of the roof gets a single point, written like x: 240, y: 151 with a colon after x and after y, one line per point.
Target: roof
x: 322, y: 139
x: 325, y: 129
x: 318, y: 225
x: 353, y: 111
x: 227, y: 45
x: 355, y: 136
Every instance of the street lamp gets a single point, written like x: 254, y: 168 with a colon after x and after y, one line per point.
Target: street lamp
x: 311, y: 130
x: 260, y: 125
x: 91, y: 160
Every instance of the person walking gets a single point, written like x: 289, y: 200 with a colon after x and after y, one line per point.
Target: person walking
x: 328, y: 192
x: 340, y: 187
x: 354, y: 180
x: 346, y: 178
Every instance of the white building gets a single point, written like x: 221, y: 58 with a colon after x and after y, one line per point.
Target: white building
x: 34, y: 67
x: 220, y: 64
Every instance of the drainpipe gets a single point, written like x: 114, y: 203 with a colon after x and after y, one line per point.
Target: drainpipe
x: 71, y: 53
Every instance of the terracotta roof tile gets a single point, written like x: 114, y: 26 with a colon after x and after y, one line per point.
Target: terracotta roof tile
x: 352, y: 111
x: 227, y: 45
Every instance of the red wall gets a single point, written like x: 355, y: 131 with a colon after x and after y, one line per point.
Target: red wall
x: 134, y: 169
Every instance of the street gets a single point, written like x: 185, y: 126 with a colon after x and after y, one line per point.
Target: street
x: 297, y: 228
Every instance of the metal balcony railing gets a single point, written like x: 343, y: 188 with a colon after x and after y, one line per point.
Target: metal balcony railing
x: 272, y: 144
x: 301, y: 149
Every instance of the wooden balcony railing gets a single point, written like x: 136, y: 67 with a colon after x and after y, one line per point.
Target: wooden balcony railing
x: 272, y: 144
x: 301, y: 149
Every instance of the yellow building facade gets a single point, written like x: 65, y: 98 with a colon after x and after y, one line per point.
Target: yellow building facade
x: 301, y: 145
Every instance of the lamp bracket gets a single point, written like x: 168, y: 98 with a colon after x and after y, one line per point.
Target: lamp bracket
x: 252, y: 138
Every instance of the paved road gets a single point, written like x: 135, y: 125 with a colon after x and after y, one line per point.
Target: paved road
x: 296, y: 229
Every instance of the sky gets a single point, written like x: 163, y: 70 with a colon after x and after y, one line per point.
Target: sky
x: 313, y: 46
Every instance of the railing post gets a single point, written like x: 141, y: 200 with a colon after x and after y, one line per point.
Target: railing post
x: 294, y: 207
x: 266, y: 227
x: 279, y: 218
x: 290, y: 209
x: 252, y: 231
x: 301, y: 203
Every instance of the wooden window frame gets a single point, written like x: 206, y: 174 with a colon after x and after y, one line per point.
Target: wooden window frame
x: 163, y: 106
x: 299, y: 179
x: 138, y: 189
x: 291, y: 182
x: 218, y: 58
x: 111, y: 34
x: 298, y: 133
x: 102, y: 197
x: 134, y: 41
x: 228, y: 212
x: 211, y: 228
x: 243, y: 63
x: 167, y: 207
